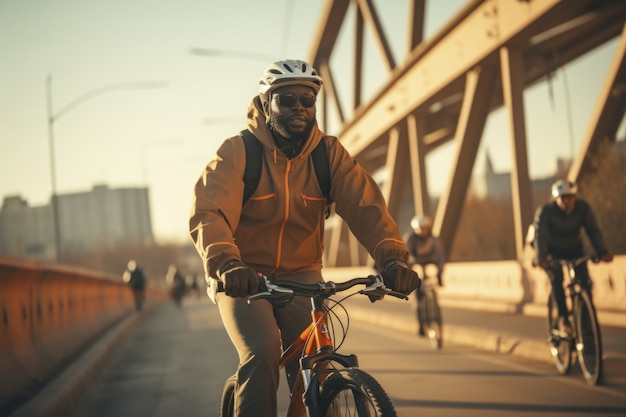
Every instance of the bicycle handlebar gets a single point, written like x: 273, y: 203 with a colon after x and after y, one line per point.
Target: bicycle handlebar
x: 574, y: 262
x: 374, y: 288
x: 566, y: 262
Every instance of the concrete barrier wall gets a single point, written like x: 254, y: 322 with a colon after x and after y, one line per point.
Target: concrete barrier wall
x: 520, y: 285
x: 48, y: 314
x: 517, y: 286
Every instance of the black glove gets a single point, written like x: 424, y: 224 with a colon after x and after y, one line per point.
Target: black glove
x: 607, y: 257
x: 399, y: 277
x: 238, y: 279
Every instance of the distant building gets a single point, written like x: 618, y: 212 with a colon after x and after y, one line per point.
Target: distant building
x: 497, y: 185
x: 100, y: 218
x: 26, y: 231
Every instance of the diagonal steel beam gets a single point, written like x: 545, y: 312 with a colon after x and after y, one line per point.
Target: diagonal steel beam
x: 474, y: 111
x: 609, y: 111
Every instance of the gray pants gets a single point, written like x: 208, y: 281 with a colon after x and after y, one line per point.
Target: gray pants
x: 259, y: 331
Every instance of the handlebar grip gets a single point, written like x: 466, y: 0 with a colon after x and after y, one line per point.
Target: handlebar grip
x: 262, y: 285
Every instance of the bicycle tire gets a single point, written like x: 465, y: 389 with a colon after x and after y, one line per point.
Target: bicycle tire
x: 560, y: 347
x: 433, y: 320
x: 227, y: 402
x: 353, y: 392
x: 588, y: 338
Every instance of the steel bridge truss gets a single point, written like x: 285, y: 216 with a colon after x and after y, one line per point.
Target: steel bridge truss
x: 444, y: 90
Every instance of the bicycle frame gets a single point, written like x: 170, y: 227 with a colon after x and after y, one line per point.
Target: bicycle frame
x: 572, y: 287
x: 323, y: 373
x: 428, y: 304
x: 316, y: 349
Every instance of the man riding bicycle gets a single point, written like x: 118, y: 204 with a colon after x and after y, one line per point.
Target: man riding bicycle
x: 558, y: 227
x: 279, y: 230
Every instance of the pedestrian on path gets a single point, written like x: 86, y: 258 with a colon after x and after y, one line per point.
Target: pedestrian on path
x: 136, y: 280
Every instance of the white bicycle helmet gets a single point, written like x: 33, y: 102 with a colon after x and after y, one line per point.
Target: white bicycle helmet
x: 289, y: 72
x: 562, y: 187
x: 420, y: 223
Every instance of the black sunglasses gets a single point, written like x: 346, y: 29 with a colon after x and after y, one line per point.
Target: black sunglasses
x: 289, y: 100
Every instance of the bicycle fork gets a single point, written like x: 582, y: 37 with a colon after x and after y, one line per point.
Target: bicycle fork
x: 315, y: 367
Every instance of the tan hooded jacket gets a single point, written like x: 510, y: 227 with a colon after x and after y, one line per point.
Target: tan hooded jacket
x: 281, y: 227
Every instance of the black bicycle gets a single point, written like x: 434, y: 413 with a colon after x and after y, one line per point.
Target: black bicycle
x: 428, y: 306
x: 585, y: 338
x: 329, y: 384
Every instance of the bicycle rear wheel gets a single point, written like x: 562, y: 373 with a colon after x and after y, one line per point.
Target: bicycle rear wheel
x: 227, y: 403
x: 433, y: 320
x: 560, y: 347
x: 352, y: 392
x: 588, y: 339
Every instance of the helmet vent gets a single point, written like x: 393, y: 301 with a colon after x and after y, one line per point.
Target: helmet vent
x: 289, y: 72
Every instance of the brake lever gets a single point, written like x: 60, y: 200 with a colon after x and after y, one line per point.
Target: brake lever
x: 398, y: 294
x: 270, y: 289
x: 378, y: 290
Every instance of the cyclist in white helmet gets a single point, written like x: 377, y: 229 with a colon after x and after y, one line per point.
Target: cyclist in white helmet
x: 558, y: 225
x: 279, y: 230
x: 424, y: 249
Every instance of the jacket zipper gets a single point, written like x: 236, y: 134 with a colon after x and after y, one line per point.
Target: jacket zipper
x: 282, y: 226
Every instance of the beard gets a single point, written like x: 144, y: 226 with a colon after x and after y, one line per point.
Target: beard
x: 279, y: 125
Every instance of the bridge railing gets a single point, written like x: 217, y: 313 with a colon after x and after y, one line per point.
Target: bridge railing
x: 518, y: 287
x: 48, y: 314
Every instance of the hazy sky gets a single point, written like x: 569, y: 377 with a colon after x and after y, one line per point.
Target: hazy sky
x: 162, y: 137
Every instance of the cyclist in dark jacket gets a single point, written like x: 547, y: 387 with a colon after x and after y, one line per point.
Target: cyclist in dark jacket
x: 558, y: 227
x: 424, y: 249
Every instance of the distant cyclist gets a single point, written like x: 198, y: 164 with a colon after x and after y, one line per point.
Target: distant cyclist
x: 424, y: 249
x: 558, y: 226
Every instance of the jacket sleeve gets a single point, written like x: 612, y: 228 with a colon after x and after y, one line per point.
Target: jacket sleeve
x: 438, y: 253
x: 216, y: 206
x: 359, y: 201
x: 411, y: 245
x: 541, y: 233
x: 593, y: 230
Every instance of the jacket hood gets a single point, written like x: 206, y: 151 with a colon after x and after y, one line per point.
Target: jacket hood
x: 256, y: 123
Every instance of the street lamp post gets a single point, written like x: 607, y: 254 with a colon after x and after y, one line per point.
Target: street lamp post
x: 233, y: 54
x: 55, y: 204
x: 54, y: 117
x: 212, y: 52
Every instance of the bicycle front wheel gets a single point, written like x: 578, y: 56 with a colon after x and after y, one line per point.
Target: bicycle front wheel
x: 560, y: 347
x: 227, y: 403
x: 588, y: 340
x: 352, y: 392
x: 433, y: 319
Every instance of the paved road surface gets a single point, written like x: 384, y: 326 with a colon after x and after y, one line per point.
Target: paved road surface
x: 165, y: 359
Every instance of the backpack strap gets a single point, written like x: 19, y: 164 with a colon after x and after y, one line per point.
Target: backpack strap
x: 322, y: 167
x: 252, y: 173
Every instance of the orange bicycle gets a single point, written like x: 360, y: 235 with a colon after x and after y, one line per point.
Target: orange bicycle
x: 329, y: 384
